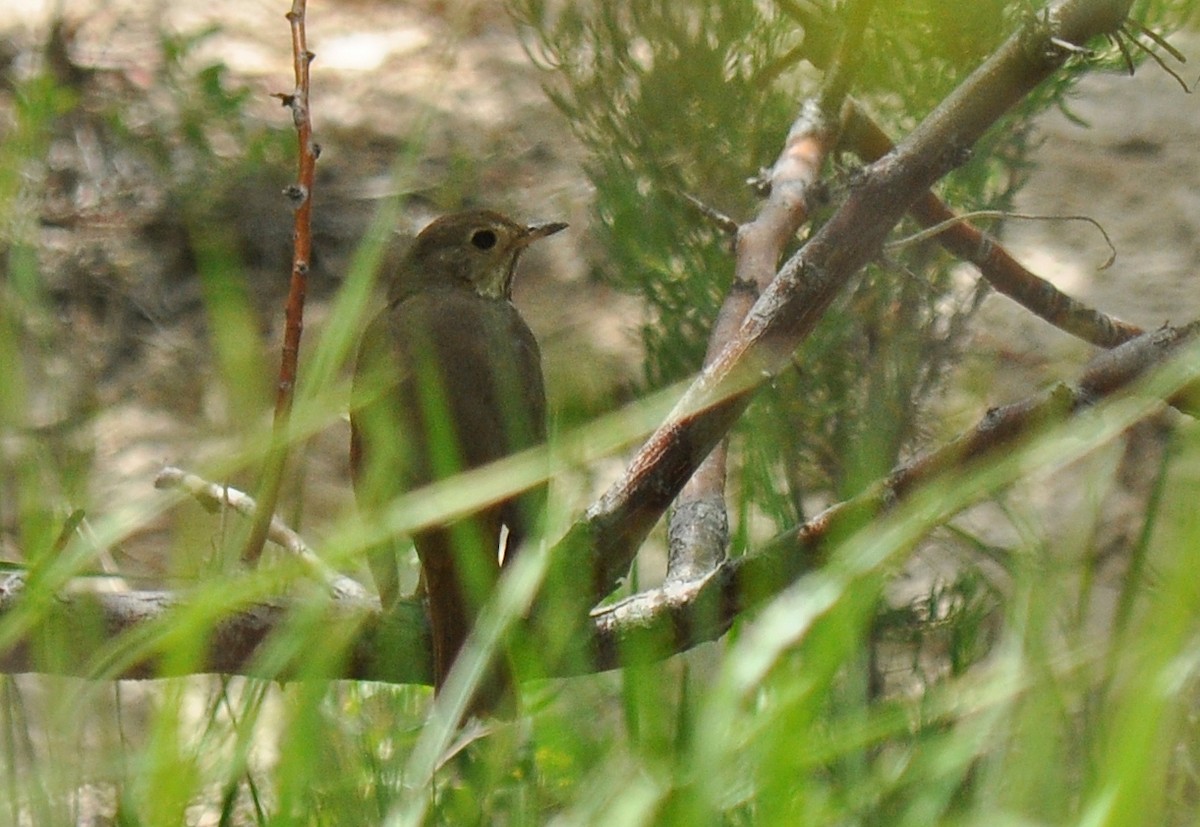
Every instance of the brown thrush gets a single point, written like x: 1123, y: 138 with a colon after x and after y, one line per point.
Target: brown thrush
x: 449, y: 378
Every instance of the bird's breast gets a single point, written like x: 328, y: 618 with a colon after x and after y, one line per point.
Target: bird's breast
x: 468, y: 381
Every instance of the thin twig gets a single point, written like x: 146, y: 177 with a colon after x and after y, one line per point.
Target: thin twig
x: 1007, y: 275
x: 1153, y: 55
x: 718, y: 219
x: 301, y: 196
x: 213, y: 496
x: 1157, y: 38
x: 942, y: 226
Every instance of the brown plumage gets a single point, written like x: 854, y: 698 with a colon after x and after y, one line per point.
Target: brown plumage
x: 449, y: 378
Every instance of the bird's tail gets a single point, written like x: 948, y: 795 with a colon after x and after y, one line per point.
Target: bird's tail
x: 460, y: 572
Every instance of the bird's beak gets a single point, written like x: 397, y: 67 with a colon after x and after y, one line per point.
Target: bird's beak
x: 535, y: 231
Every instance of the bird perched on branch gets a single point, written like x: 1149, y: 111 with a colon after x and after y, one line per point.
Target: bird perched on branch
x: 449, y: 378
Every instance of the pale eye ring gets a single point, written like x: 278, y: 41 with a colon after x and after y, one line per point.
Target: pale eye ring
x: 483, y: 239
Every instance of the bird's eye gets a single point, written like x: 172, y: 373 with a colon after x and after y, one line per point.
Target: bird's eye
x: 483, y: 239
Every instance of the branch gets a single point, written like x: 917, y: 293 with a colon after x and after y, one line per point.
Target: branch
x: 698, y: 532
x: 394, y: 647
x: 699, y: 525
x: 213, y: 496
x: 609, y: 534
x: 301, y: 196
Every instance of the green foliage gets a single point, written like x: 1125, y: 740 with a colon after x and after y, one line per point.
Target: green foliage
x: 203, y: 119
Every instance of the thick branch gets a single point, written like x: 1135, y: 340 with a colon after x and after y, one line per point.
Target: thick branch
x: 395, y: 647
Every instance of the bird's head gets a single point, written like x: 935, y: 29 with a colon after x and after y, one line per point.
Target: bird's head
x: 475, y: 250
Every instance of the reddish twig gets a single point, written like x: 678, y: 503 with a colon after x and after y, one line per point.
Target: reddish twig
x: 300, y: 194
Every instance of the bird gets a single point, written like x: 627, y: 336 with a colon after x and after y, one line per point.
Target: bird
x: 449, y: 378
